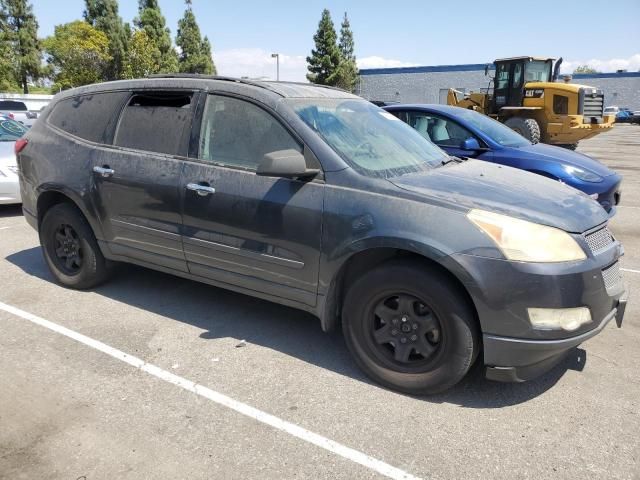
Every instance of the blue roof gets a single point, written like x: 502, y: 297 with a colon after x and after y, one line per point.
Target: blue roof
x: 473, y: 67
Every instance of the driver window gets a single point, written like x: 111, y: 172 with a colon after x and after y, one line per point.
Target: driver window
x: 238, y: 133
x: 439, y: 130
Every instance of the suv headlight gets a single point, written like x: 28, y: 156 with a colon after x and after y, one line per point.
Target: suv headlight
x: 583, y: 175
x: 526, y: 241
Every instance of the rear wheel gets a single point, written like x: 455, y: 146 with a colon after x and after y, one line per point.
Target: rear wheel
x: 410, y: 328
x: 527, y: 127
x: 570, y: 146
x: 70, y: 248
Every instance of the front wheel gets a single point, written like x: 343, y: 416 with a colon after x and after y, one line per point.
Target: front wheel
x: 410, y: 328
x: 527, y: 127
x: 70, y: 248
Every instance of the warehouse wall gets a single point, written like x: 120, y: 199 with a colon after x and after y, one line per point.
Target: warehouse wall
x: 428, y: 84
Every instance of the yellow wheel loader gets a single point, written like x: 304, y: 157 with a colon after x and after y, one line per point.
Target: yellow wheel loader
x: 527, y: 97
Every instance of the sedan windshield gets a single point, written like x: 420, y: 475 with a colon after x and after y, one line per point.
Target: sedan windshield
x: 493, y: 129
x: 10, y: 130
x: 370, y: 140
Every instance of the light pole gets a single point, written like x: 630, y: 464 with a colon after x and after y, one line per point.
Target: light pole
x: 277, y: 57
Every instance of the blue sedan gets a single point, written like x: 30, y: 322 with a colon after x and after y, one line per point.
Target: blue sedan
x: 469, y: 134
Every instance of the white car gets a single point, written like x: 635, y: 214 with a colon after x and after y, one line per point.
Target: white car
x: 10, y: 131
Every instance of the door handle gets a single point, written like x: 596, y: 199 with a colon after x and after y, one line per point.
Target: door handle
x: 202, y: 190
x: 104, y: 171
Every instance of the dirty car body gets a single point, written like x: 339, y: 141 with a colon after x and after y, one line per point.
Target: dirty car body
x: 214, y: 204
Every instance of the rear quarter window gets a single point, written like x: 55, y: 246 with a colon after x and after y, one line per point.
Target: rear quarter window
x: 157, y: 122
x: 90, y: 117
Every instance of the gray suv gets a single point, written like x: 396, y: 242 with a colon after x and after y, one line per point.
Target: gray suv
x: 315, y: 198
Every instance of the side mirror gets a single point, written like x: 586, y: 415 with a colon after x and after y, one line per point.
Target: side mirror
x: 470, y: 144
x: 286, y: 164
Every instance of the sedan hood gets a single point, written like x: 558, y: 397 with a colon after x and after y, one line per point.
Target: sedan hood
x: 541, y: 151
x: 506, y: 190
x: 7, y: 155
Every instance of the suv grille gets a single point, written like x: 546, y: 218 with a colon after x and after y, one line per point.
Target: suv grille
x: 612, y: 276
x: 599, y: 240
x: 593, y: 106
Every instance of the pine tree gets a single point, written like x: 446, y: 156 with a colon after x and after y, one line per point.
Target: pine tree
x: 348, y: 70
x: 20, y: 30
x: 103, y: 16
x: 195, y: 53
x: 151, y: 20
x: 7, y: 78
x: 325, y: 58
x: 206, y: 53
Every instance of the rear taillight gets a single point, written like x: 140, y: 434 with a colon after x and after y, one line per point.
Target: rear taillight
x: 11, y: 116
x: 20, y: 144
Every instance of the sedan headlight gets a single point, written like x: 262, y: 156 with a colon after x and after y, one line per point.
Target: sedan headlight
x: 526, y: 241
x: 583, y: 175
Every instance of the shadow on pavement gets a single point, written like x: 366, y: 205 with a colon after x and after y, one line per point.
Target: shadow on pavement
x: 8, y: 211
x: 225, y: 314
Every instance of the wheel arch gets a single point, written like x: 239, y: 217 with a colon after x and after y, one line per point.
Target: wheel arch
x: 369, y: 257
x: 50, y: 195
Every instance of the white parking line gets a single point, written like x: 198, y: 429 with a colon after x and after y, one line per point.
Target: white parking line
x: 4, y: 228
x: 219, y: 398
x: 630, y: 270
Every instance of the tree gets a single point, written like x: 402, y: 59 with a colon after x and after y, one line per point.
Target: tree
x: 206, y: 53
x: 103, y: 16
x: 151, y: 20
x: 325, y: 58
x: 7, y: 77
x: 20, y: 30
x: 195, y: 53
x: 347, y: 73
x: 78, y: 54
x: 585, y: 69
x: 141, y: 57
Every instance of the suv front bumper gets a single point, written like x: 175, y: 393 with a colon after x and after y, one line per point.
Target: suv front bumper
x: 503, y: 291
x: 519, y: 360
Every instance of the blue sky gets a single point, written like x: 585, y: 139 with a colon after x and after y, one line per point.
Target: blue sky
x: 387, y: 33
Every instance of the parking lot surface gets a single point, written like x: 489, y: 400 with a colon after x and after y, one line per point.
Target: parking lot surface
x: 69, y: 410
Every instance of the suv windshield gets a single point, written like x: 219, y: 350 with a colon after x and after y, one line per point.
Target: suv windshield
x: 10, y: 130
x: 370, y: 140
x: 493, y: 129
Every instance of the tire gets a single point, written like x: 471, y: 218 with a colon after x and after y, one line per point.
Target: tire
x: 70, y: 248
x: 568, y: 146
x: 447, y: 330
x: 527, y: 127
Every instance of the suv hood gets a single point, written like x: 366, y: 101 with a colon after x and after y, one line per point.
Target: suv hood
x: 506, y: 190
x: 540, y: 151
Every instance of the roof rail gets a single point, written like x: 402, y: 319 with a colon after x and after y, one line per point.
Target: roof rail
x: 258, y: 83
x: 198, y: 76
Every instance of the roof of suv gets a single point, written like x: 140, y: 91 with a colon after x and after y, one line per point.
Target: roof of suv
x: 206, y: 82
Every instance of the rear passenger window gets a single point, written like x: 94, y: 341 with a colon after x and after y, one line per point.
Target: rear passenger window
x: 156, y: 122
x: 238, y: 133
x: 91, y: 117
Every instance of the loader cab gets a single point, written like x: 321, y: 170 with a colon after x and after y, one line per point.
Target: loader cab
x: 511, y: 76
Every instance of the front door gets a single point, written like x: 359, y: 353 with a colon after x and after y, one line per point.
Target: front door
x: 258, y: 234
x: 137, y: 180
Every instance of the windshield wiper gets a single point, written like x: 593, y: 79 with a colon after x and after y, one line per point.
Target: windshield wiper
x: 451, y: 158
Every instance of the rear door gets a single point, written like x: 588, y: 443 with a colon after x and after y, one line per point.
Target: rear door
x: 137, y: 180
x: 259, y: 234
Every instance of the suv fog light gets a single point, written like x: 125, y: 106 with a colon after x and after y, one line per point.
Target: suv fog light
x: 559, y: 318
